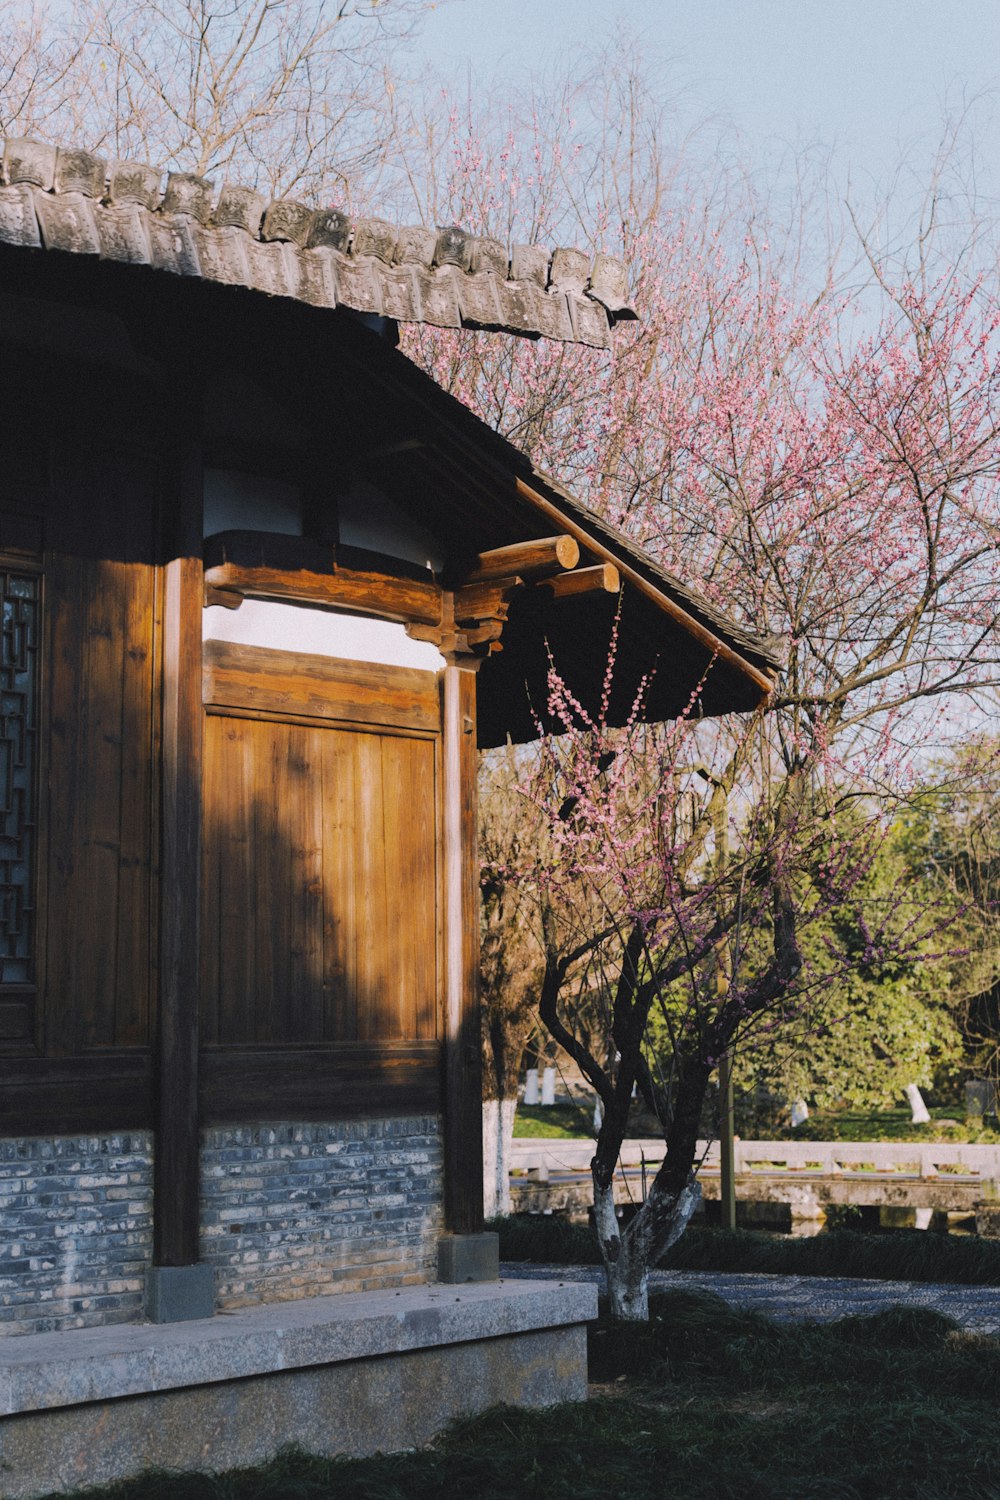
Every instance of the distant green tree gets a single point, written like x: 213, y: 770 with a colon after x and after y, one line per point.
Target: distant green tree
x: 888, y: 1017
x: 951, y: 840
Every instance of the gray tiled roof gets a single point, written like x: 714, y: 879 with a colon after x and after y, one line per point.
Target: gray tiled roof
x: 69, y: 200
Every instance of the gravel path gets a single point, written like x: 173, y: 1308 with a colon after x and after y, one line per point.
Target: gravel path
x: 976, y: 1308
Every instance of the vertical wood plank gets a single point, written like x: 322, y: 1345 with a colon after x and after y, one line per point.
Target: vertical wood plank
x: 238, y: 882
x: 273, y: 896
x: 66, y: 592
x: 309, y: 935
x: 211, y: 1009
x: 370, y: 904
x: 399, y: 950
x: 97, y: 889
x: 410, y: 839
x: 340, y: 883
x: 463, y: 1124
x: 425, y: 794
x: 298, y: 883
x: 132, y: 984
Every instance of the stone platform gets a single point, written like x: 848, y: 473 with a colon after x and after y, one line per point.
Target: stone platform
x: 354, y: 1374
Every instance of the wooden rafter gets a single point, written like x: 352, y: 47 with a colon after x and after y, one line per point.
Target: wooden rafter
x: 604, y: 579
x: 523, y: 560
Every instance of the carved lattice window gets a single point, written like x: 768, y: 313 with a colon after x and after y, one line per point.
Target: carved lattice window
x: 19, y: 649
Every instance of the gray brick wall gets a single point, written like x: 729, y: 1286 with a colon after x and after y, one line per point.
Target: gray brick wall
x: 292, y: 1210
x: 288, y: 1210
x: 76, y: 1230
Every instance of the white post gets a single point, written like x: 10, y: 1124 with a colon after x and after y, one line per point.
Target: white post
x: 498, y: 1127
x: 549, y: 1086
x: 531, y: 1086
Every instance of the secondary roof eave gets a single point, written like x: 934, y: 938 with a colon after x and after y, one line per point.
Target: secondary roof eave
x: 757, y: 659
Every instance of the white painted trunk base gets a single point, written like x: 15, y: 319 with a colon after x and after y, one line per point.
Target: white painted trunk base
x: 919, y: 1113
x: 498, y: 1132
x: 630, y: 1253
x: 628, y: 1273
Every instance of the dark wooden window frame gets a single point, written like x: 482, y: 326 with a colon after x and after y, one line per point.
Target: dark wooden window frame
x: 21, y: 1019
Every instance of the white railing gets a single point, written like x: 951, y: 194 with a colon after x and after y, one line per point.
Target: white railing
x: 815, y: 1158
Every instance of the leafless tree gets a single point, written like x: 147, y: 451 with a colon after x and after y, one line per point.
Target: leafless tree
x: 290, y: 96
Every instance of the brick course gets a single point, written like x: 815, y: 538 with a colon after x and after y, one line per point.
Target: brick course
x: 288, y: 1210
x: 291, y: 1210
x: 77, y: 1230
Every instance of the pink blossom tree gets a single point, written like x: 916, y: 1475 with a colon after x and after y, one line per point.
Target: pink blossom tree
x: 679, y: 921
x: 818, y: 452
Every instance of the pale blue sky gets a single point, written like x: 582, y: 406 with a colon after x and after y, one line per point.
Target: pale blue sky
x: 870, y: 78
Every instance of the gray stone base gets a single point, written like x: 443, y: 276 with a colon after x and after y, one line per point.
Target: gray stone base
x: 349, y: 1374
x: 469, y: 1257
x: 988, y: 1221
x: 179, y: 1294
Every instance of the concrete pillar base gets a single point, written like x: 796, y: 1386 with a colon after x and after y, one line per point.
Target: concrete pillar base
x: 176, y: 1294
x: 469, y: 1257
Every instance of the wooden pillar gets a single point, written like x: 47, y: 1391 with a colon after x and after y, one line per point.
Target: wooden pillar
x: 463, y: 1122
x: 176, y: 1184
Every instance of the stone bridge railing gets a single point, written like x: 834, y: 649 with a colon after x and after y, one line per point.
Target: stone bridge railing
x: 553, y: 1175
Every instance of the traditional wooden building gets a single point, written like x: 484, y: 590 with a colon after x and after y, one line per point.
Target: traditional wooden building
x: 256, y: 572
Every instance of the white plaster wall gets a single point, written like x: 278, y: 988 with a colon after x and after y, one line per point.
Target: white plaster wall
x: 319, y: 632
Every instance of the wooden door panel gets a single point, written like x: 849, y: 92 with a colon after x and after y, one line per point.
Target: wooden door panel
x: 99, y: 804
x: 320, y: 888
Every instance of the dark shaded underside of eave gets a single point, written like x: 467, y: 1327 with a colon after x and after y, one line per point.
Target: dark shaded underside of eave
x: 458, y: 479
x: 657, y: 666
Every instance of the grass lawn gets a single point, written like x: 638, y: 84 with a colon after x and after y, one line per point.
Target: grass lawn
x: 555, y: 1121
x: 706, y: 1403
x: 575, y: 1122
x: 946, y: 1124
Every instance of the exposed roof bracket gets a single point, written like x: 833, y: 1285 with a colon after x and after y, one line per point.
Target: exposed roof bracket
x: 604, y: 579
x: 525, y: 559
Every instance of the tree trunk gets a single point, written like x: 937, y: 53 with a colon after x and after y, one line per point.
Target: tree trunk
x: 627, y: 1273
x: 498, y: 1131
x: 630, y: 1254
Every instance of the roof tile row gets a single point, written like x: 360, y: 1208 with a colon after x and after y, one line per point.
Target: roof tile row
x: 70, y: 200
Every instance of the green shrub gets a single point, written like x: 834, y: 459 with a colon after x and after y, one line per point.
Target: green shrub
x: 906, y: 1255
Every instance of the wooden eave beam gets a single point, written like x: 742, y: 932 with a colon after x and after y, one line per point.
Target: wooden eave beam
x: 408, y: 600
x: 670, y: 607
x: 484, y: 601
